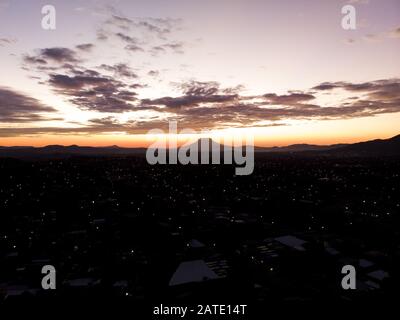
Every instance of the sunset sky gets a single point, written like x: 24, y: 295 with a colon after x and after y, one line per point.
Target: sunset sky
x: 284, y: 70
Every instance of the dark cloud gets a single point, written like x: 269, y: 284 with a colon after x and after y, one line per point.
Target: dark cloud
x: 76, y: 82
x: 120, y: 70
x: 326, y: 86
x: 188, y: 101
x: 126, y: 38
x: 161, y: 30
x: 386, y: 89
x: 137, y: 86
x: 33, y: 60
x: 94, y: 92
x: 121, y: 20
x: 141, y: 34
x: 288, y: 99
x: 133, y: 48
x: 195, y: 93
x: 156, y: 50
x: 153, y: 26
x: 57, y: 54
x: 199, y: 105
x: 176, y: 47
x: 132, y: 43
x: 104, y: 88
x: 199, y: 88
x: 153, y: 73
x: 18, y: 107
x: 85, y: 46
x: 101, y: 35
x: 204, y: 106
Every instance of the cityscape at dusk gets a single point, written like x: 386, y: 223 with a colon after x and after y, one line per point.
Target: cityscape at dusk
x: 200, y: 159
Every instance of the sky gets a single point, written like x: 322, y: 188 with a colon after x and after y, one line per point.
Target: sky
x: 285, y: 71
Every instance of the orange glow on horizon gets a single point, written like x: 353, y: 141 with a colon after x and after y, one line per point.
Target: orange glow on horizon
x: 139, y: 141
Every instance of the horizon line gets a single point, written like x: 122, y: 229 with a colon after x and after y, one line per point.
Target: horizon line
x: 144, y: 147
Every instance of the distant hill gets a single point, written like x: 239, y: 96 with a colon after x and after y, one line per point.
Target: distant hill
x: 379, y: 147
x: 374, y: 148
x: 300, y: 148
x: 58, y: 151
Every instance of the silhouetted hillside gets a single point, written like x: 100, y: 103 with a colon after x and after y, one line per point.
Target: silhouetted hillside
x: 379, y: 147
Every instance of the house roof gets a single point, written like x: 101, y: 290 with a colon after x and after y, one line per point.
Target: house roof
x: 192, y: 271
x: 292, y: 242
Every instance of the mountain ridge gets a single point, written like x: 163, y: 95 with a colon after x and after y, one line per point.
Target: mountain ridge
x: 376, y: 147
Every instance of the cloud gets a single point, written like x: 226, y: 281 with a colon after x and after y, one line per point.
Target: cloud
x: 132, y: 43
x: 143, y: 34
x: 153, y: 73
x: 377, y: 89
x: 59, y: 54
x: 289, y: 99
x: 94, y: 129
x: 6, y: 41
x: 377, y: 37
x: 199, y: 88
x: 204, y: 106
x: 195, y: 93
x: 120, y: 70
x: 118, y: 20
x: 156, y: 50
x: 18, y: 107
x: 126, y: 38
x: 56, y: 54
x: 159, y: 27
x: 85, y: 47
x: 101, y: 35
x: 96, y: 92
x: 107, y: 88
x: 327, y: 86
x: 395, y: 33
x: 175, y: 47
x: 34, y: 60
x: 133, y: 48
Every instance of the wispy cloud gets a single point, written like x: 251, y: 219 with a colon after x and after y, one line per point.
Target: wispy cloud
x: 18, y: 107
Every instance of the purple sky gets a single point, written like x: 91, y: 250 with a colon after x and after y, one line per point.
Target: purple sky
x: 112, y: 70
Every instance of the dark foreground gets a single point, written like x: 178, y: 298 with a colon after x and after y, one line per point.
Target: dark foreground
x: 118, y: 229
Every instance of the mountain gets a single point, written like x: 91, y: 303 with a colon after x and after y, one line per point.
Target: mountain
x: 59, y: 151
x: 207, y: 145
x: 299, y: 148
x: 374, y: 148
x: 379, y: 147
